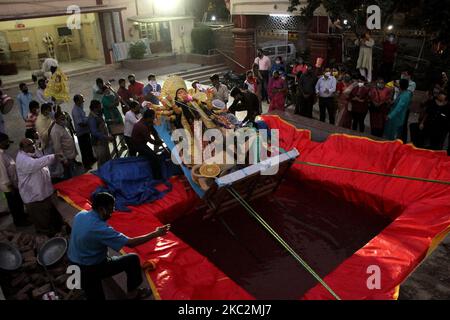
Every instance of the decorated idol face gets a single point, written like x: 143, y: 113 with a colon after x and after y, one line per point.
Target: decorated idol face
x: 182, y: 95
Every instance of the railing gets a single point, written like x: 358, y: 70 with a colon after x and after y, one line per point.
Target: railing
x: 226, y: 56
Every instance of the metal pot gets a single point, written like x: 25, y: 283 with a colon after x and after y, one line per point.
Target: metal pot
x: 52, y: 251
x: 10, y: 257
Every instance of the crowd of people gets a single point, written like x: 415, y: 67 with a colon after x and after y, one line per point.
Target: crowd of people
x: 346, y: 97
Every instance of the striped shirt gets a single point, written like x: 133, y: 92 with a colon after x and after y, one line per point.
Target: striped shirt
x: 30, y: 122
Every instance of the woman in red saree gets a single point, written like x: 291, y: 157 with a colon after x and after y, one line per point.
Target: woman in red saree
x: 277, y: 92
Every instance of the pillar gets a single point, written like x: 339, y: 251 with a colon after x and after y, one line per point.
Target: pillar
x: 318, y: 39
x: 244, y: 43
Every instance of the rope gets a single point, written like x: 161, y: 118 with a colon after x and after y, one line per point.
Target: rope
x: 280, y: 240
x: 382, y: 174
x: 391, y: 175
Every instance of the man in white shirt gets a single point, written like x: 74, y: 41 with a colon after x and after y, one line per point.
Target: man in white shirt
x: 40, y: 97
x: 265, y: 66
x: 63, y: 143
x: 36, y: 189
x: 131, y: 118
x: 98, y: 90
x: 325, y: 89
x: 9, y: 183
x: 220, y: 91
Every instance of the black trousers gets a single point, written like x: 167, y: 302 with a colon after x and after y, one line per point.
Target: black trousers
x: 131, y: 149
x: 264, y: 85
x: 91, y: 276
x: 358, y: 120
x: 15, y: 205
x: 152, y: 157
x: 386, y: 71
x: 432, y: 137
x: 305, y: 105
x: 376, y: 132
x: 87, y: 155
x: 327, y: 105
x: 417, y: 135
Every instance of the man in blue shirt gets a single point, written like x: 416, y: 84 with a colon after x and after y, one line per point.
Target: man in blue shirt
x: 24, y: 98
x: 88, y: 247
x: 152, y: 90
x: 325, y: 89
x: 80, y: 121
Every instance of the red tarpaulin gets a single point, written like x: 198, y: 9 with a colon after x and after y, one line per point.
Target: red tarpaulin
x: 419, y: 211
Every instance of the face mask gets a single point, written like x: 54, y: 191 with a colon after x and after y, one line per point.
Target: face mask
x: 198, y: 86
x: 278, y: 62
x: 327, y: 74
x: 360, y: 84
x: 152, y: 82
x: 380, y: 85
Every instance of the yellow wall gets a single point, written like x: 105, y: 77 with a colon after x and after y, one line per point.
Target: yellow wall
x: 86, y: 42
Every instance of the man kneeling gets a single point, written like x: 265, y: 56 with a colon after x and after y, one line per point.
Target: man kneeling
x: 91, y: 236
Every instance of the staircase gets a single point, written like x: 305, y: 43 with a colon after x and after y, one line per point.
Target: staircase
x: 203, y: 73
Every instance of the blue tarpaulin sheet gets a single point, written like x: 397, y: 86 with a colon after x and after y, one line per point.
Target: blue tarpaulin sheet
x: 130, y: 181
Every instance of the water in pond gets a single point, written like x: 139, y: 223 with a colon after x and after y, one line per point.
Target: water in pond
x: 322, y: 228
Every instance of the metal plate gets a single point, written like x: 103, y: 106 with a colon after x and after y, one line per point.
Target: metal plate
x: 10, y: 257
x: 52, y: 251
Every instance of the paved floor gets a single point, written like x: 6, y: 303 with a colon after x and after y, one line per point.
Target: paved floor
x: 24, y: 75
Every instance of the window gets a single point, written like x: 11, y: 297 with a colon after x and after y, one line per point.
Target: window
x: 282, y: 49
x: 147, y: 30
x: 269, y: 51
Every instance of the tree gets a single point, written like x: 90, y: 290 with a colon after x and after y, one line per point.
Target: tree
x: 432, y: 16
x: 213, y: 7
x: 352, y: 10
x: 436, y: 18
